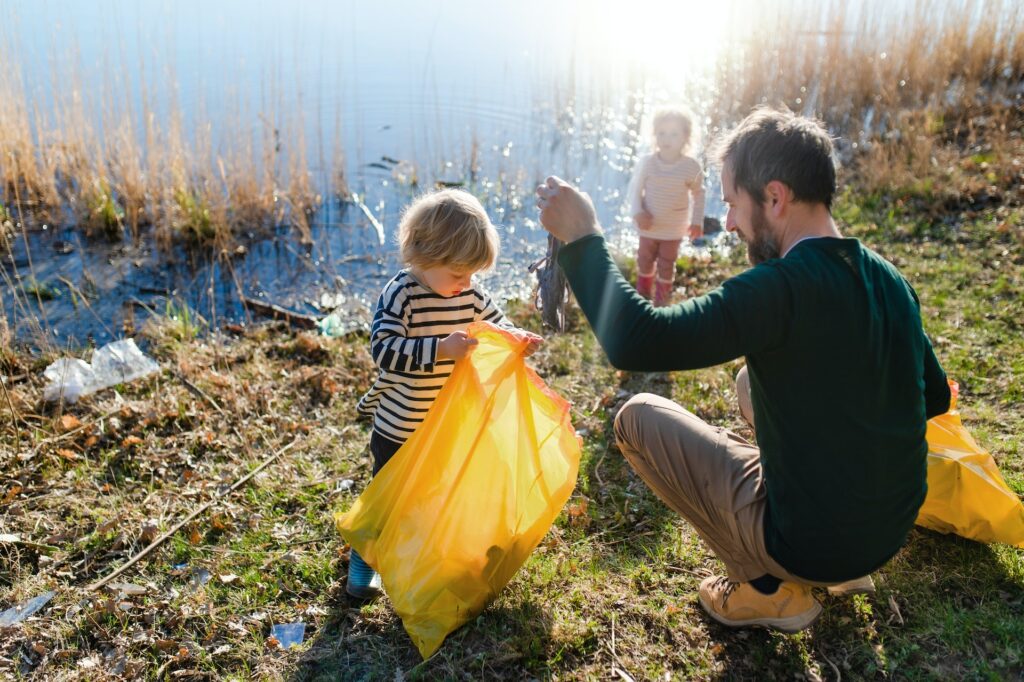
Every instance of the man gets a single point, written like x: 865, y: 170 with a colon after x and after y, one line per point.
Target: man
x: 840, y: 380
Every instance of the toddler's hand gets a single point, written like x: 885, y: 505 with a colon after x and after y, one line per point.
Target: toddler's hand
x: 644, y: 220
x: 696, y: 232
x: 532, y: 342
x: 455, y: 346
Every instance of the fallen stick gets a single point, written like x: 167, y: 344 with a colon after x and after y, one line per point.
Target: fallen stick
x: 156, y: 543
x: 198, y: 392
x: 278, y: 313
x: 378, y: 228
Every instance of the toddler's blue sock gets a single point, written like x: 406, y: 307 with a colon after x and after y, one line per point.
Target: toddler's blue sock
x: 363, y: 581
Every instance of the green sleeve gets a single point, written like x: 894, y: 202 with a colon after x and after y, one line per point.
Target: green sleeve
x: 747, y: 314
x: 936, y: 388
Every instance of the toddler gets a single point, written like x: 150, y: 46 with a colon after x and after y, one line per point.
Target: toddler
x: 666, y: 195
x: 418, y: 330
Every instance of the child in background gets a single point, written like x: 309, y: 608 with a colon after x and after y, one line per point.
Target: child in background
x: 666, y: 197
x: 418, y: 330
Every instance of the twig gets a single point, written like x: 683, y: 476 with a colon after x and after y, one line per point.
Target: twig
x: 597, y: 467
x: 14, y: 412
x: 835, y: 669
x: 278, y: 313
x: 198, y: 391
x: 378, y: 228
x: 156, y: 543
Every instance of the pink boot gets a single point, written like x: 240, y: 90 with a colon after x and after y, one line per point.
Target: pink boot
x: 662, y: 292
x: 644, y: 284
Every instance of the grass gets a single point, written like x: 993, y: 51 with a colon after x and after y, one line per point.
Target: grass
x: 935, y: 189
x: 612, y: 587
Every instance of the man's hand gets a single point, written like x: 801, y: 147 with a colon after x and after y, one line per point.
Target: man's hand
x: 643, y: 220
x: 456, y: 346
x: 696, y: 232
x: 566, y: 212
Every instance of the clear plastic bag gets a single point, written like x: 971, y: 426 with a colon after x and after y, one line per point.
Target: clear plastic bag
x: 117, y: 362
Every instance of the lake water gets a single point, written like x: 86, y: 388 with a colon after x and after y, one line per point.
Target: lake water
x: 494, y: 96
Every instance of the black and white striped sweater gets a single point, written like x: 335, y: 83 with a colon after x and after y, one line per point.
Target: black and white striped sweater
x: 408, y: 323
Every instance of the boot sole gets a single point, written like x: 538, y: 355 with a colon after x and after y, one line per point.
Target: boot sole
x: 790, y: 625
x: 364, y: 594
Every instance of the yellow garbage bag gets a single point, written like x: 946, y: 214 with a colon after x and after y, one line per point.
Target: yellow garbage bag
x: 966, y: 494
x: 459, y: 508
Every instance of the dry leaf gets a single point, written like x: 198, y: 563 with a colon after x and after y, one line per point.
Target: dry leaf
x: 165, y: 644
x: 69, y: 422
x: 149, y: 531
x: 228, y: 578
x: 67, y: 454
x: 12, y: 492
x: 578, y: 508
x: 194, y: 537
x: 130, y: 441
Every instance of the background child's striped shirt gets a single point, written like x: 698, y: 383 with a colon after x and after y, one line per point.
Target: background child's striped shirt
x: 671, y: 192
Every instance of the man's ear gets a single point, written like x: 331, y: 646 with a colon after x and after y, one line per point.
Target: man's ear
x: 777, y: 197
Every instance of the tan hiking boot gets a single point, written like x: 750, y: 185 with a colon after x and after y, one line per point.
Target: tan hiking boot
x: 790, y: 609
x: 863, y: 585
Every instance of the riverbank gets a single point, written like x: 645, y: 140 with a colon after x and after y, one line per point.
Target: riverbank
x: 612, y: 588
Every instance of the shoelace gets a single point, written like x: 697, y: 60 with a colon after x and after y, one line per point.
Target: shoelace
x: 730, y: 587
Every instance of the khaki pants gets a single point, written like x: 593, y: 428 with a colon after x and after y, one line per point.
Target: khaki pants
x: 710, y: 476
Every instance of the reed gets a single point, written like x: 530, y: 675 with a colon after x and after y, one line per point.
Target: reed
x: 875, y: 75
x: 858, y: 66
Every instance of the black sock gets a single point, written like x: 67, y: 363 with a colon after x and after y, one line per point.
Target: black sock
x: 766, y: 584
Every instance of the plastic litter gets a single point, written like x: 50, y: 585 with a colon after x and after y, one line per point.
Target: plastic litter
x: 118, y: 362
x: 288, y: 634
x: 20, y: 612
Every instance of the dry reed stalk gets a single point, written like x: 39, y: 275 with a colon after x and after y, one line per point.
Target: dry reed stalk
x: 850, y: 60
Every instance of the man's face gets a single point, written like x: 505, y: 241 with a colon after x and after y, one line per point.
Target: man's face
x: 748, y: 219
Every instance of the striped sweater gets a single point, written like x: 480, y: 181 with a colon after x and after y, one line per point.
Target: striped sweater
x: 665, y: 191
x: 409, y: 322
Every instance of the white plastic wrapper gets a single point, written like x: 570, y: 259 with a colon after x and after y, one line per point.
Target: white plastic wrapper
x: 117, y: 362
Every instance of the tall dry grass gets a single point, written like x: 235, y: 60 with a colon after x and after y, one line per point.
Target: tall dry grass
x: 859, y: 65
x: 122, y: 157
x: 119, y: 162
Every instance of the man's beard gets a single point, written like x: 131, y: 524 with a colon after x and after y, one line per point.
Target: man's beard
x: 762, y: 245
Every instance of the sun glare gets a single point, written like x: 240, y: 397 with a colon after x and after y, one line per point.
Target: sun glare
x: 670, y: 42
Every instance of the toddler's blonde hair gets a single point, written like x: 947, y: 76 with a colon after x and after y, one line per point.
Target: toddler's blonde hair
x: 681, y: 115
x: 448, y: 227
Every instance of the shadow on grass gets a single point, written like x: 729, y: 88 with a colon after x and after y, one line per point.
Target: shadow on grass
x: 509, y: 638
x: 946, y: 608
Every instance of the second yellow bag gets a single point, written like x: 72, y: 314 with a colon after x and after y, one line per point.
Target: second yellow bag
x: 459, y: 508
x: 966, y: 493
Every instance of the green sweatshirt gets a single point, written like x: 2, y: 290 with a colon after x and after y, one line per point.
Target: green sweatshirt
x: 842, y: 377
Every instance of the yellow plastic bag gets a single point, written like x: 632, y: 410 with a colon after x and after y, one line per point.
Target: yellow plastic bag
x: 459, y: 508
x: 966, y: 494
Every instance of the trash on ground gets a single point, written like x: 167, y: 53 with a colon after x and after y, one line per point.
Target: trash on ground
x: 128, y: 589
x: 20, y: 612
x: 288, y: 634
x: 118, y: 362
